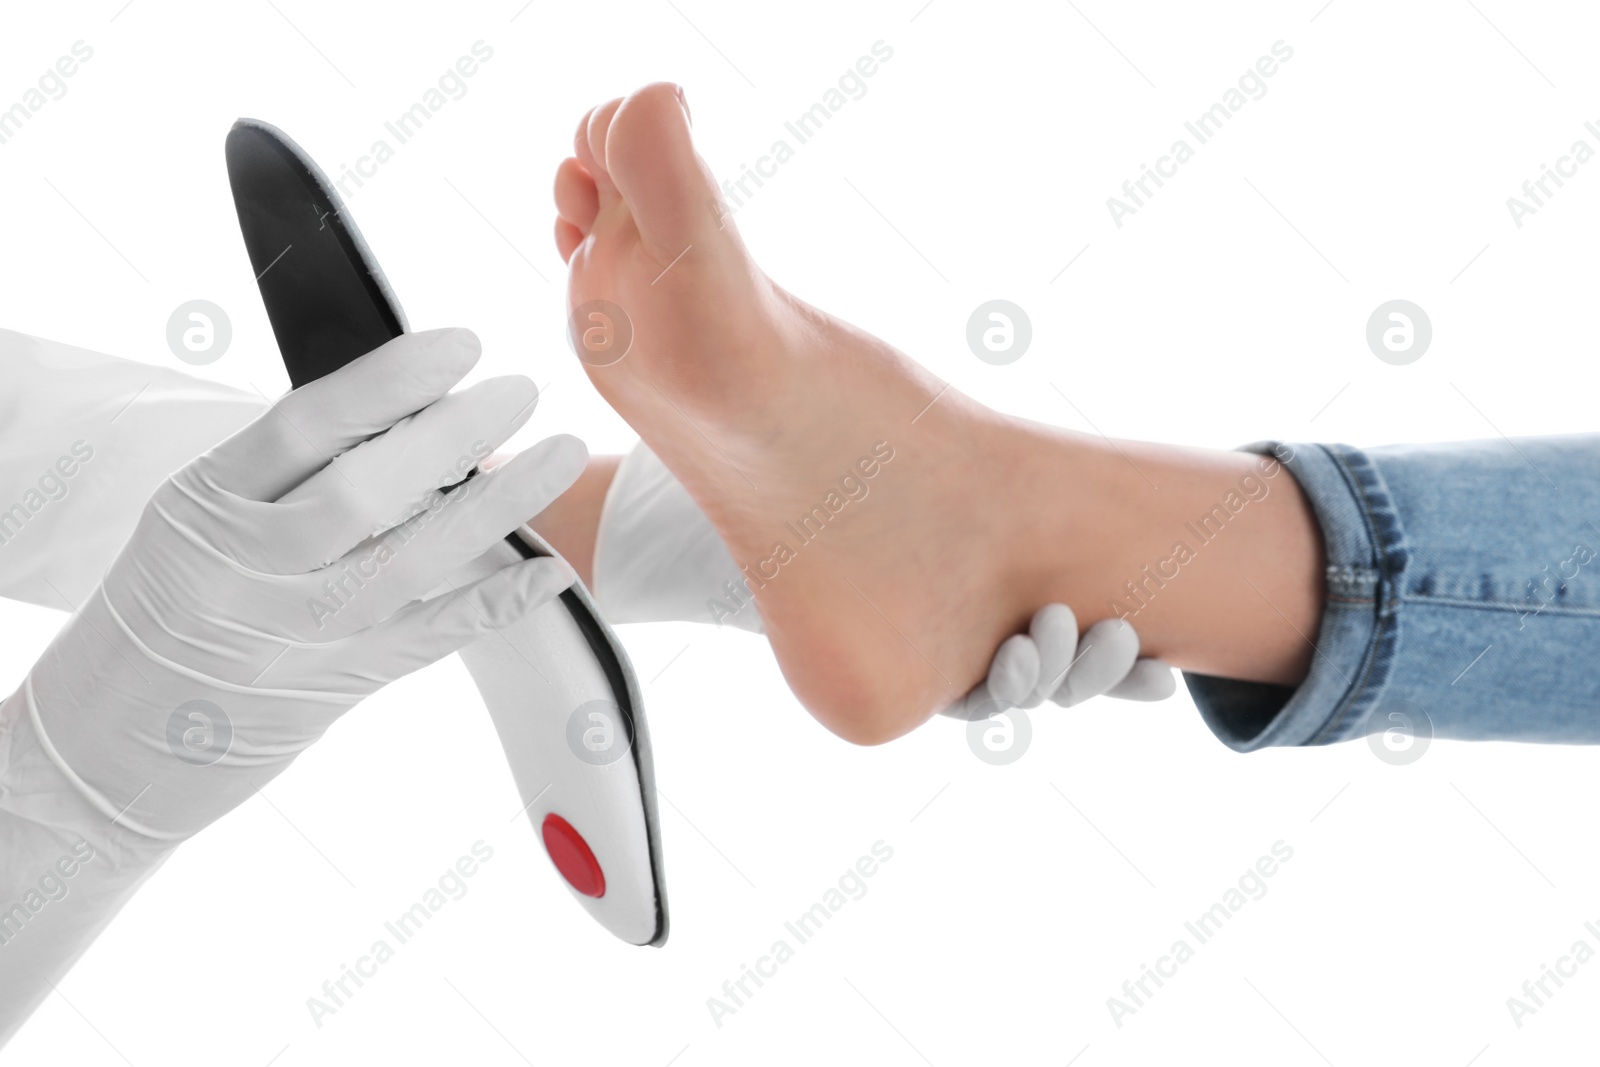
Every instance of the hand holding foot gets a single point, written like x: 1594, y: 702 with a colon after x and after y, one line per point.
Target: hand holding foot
x: 649, y: 554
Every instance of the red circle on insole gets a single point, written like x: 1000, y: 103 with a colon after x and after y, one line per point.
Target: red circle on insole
x: 573, y: 857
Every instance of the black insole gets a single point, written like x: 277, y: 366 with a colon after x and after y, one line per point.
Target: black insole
x: 326, y: 299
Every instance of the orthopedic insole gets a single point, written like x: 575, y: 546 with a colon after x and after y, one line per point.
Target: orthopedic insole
x: 552, y: 682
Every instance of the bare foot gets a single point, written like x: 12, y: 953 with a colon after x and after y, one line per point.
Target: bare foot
x: 855, y: 524
x: 893, y: 532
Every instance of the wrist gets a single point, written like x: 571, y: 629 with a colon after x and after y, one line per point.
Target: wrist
x: 571, y: 522
x: 44, y: 803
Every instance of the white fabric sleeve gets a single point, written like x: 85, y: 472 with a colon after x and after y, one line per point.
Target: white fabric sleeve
x: 84, y: 440
x: 657, y: 558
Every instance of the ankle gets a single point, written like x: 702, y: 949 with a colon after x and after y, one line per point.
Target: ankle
x: 1214, y: 557
x: 1083, y: 503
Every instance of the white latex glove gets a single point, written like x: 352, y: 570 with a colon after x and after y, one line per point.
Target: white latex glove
x: 657, y: 558
x: 1049, y: 662
x: 277, y: 580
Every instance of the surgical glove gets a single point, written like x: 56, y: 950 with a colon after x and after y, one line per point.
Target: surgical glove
x: 1050, y: 662
x: 280, y: 578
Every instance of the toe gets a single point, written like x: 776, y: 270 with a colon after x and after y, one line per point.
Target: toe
x: 650, y: 157
x: 580, y: 144
x: 591, y: 152
x: 577, y: 198
x: 592, y: 147
x: 568, y: 238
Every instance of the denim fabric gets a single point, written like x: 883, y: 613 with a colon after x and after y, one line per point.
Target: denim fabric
x: 1463, y: 582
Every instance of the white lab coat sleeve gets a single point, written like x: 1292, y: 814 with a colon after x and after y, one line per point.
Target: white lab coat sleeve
x: 84, y: 440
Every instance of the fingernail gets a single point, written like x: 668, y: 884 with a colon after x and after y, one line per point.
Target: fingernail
x: 683, y: 101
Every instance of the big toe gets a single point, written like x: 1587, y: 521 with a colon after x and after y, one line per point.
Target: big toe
x: 650, y: 156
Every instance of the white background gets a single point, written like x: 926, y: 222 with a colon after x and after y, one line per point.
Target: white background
x: 1019, y: 898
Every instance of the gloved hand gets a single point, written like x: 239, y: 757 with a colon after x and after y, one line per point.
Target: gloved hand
x: 1049, y: 662
x: 657, y: 558
x: 282, y: 577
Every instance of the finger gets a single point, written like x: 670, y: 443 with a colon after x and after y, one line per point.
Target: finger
x: 382, y: 482
x: 1014, y: 670
x: 1054, y: 630
x: 427, y: 631
x: 1149, y: 680
x: 384, y: 574
x: 1109, y: 650
x: 979, y: 703
x: 305, y: 430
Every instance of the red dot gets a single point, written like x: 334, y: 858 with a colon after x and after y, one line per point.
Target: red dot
x: 572, y: 856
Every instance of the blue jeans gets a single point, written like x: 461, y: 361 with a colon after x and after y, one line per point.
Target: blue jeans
x: 1462, y: 587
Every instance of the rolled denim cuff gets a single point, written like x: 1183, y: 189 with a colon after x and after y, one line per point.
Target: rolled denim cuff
x: 1354, y: 648
x: 1463, y: 597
